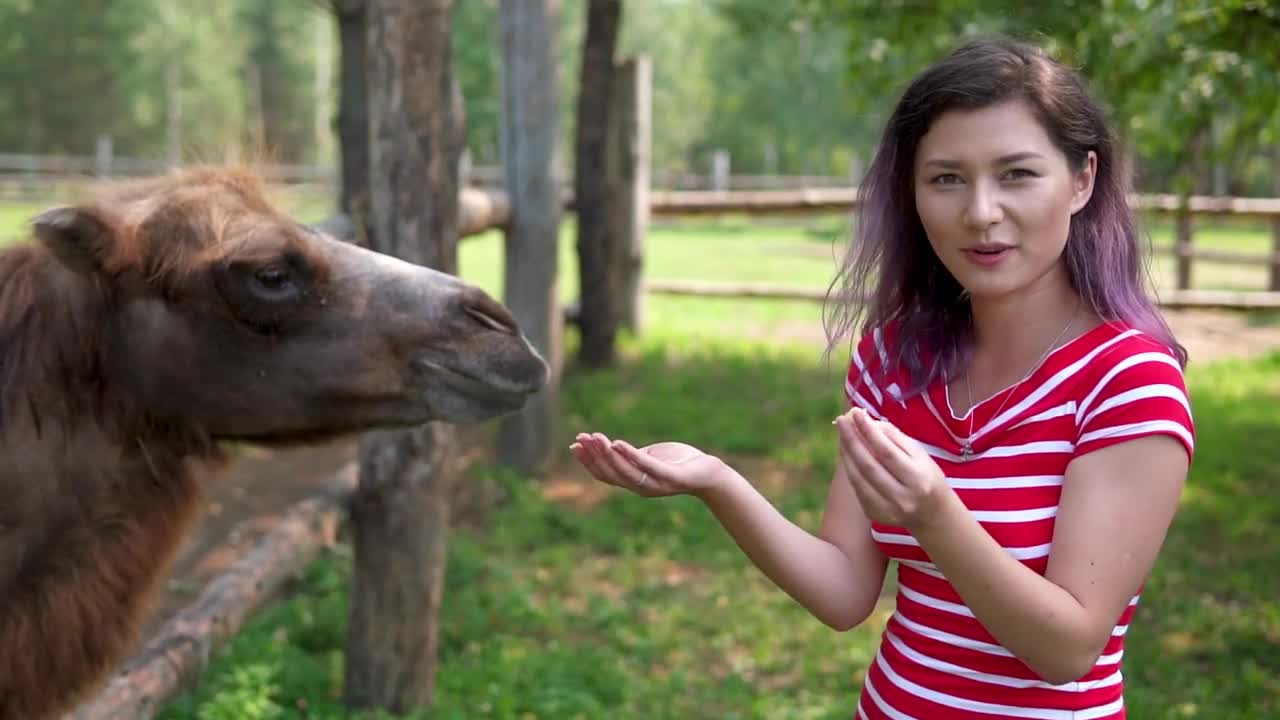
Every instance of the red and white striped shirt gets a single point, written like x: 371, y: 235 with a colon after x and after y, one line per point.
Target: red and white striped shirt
x: 936, y: 660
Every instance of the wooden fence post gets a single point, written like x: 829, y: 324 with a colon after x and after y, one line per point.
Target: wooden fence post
x: 720, y: 170
x: 1182, y: 243
x: 103, y: 155
x: 628, y: 177
x: 530, y: 127
x: 1274, y: 284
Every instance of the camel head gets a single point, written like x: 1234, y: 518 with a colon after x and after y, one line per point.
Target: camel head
x: 210, y: 308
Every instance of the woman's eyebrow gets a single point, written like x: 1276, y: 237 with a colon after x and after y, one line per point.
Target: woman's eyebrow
x: 1002, y: 160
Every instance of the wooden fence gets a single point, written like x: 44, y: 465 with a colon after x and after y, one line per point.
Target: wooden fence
x: 485, y: 205
x: 488, y: 209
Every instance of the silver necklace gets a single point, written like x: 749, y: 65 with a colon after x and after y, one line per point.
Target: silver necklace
x: 966, y: 451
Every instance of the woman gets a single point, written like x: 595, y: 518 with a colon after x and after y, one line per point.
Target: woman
x: 1020, y: 430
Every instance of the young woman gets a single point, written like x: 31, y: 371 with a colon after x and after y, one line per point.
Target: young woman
x: 1019, y: 430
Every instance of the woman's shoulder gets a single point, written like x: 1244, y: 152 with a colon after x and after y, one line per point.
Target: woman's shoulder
x: 1115, y: 346
x: 1131, y: 384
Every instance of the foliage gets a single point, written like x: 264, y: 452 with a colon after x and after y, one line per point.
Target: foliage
x: 71, y: 71
x: 785, y: 87
x: 1170, y: 69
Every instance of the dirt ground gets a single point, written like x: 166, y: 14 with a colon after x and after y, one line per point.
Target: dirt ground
x: 260, y: 483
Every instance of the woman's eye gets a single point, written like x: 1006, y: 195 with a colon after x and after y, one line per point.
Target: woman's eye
x: 946, y: 179
x: 1019, y: 174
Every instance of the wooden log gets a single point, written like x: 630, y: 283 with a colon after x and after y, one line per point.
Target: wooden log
x: 479, y: 210
x: 754, y: 202
x: 1209, y: 205
x: 1219, y: 300
x: 844, y: 199
x: 482, y: 209
x: 178, y: 654
x: 1174, y: 299
x: 1226, y: 257
x: 699, y: 288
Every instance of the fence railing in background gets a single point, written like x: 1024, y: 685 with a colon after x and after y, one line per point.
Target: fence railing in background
x: 486, y: 206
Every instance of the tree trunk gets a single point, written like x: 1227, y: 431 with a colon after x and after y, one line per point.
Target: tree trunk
x: 400, y: 514
x: 597, y: 317
x: 530, y: 127
x: 353, y: 115
x: 628, y: 173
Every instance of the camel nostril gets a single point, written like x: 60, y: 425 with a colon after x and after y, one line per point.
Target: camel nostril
x: 489, y: 313
x: 488, y: 320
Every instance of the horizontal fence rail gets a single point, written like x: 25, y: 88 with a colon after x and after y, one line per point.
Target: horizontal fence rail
x: 484, y: 206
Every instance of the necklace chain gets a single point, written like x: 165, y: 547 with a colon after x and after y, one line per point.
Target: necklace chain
x: 966, y: 450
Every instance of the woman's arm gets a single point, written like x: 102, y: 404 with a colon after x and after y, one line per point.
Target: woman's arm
x: 837, y: 575
x: 1116, y: 507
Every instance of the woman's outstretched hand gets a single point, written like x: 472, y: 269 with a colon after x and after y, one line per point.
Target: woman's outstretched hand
x: 658, y: 470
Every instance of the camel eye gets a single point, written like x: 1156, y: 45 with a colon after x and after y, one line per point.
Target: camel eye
x: 273, y: 282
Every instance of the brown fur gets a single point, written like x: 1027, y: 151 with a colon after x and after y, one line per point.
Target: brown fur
x: 99, y: 442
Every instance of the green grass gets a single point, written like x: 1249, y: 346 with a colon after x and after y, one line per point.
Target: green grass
x: 645, y: 609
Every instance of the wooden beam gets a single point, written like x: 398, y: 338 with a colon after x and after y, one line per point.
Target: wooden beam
x: 698, y: 288
x: 1174, y: 299
x: 752, y: 202
x: 179, y: 653
x: 1227, y: 257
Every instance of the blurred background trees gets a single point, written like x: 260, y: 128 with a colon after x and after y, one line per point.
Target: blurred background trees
x: 795, y: 87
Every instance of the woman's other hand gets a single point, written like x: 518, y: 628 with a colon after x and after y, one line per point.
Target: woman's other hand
x: 897, y: 482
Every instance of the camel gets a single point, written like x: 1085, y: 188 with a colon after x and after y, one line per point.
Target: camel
x: 145, y: 328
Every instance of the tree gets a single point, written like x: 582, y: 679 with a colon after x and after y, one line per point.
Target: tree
x: 530, y: 130
x: 597, y: 317
x: 353, y: 112
x: 1171, y: 70
x: 400, y: 513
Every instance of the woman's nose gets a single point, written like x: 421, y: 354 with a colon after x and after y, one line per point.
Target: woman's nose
x: 983, y: 209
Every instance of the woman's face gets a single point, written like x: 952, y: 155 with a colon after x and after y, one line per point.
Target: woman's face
x: 996, y: 196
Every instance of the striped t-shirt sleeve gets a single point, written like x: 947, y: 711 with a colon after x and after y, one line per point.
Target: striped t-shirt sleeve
x: 862, y: 383
x: 1143, y: 394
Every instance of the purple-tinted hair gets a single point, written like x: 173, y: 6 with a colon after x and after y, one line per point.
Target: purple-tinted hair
x: 890, y: 274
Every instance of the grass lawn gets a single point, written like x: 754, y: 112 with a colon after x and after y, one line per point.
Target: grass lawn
x: 645, y: 609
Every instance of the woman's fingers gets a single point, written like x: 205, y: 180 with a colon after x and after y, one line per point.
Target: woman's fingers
x: 866, y: 469
x: 627, y: 474
x: 596, y: 452
x: 588, y: 451
x: 885, y: 451
x: 907, y: 444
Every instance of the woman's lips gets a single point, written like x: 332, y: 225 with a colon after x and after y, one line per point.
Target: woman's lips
x: 988, y: 256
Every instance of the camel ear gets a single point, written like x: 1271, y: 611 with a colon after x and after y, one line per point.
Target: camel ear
x: 79, y: 237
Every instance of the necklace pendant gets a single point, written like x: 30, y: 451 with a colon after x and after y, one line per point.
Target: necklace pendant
x: 966, y: 452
